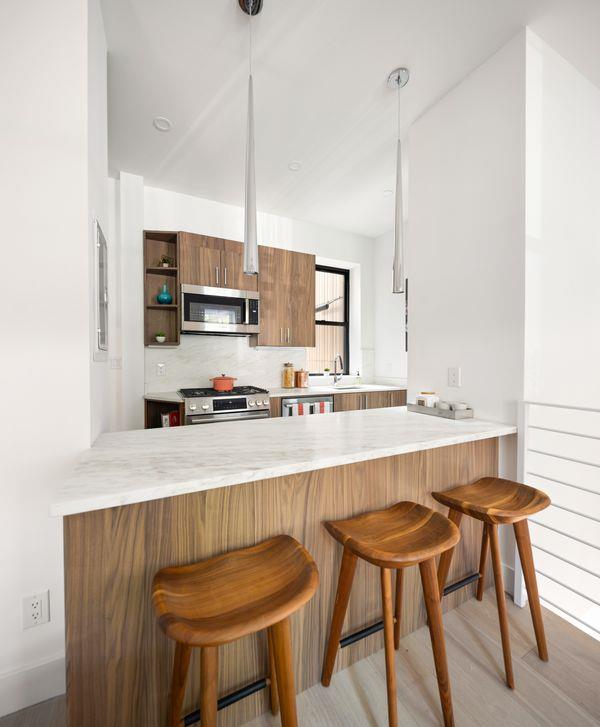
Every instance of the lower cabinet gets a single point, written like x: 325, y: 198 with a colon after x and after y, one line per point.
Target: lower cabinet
x: 369, y: 400
x: 355, y: 401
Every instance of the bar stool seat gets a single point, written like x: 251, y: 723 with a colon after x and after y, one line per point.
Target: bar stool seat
x: 400, y: 536
x: 221, y: 599
x: 496, y: 501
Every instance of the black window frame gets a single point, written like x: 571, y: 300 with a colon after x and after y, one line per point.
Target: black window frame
x: 340, y: 324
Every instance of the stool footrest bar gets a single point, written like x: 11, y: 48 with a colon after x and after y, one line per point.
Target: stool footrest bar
x: 358, y: 635
x: 225, y: 701
x: 461, y: 584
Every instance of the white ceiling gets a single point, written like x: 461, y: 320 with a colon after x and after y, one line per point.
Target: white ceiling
x: 319, y: 73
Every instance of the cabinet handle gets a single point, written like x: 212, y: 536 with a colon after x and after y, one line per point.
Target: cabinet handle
x: 288, y: 335
x: 281, y: 335
x: 225, y: 277
x: 217, y: 274
x: 366, y: 401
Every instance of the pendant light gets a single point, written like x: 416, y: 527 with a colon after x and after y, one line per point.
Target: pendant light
x: 397, y: 79
x: 250, y: 7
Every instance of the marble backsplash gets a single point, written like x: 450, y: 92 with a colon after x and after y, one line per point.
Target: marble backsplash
x: 199, y: 358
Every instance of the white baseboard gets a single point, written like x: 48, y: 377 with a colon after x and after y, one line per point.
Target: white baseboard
x: 508, y: 573
x: 31, y: 684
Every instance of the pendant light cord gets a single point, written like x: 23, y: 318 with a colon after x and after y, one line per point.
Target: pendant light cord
x: 250, y: 38
x: 398, y: 111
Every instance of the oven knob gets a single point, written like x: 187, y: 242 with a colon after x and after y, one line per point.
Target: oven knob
x: 206, y: 407
x: 192, y: 407
x: 251, y: 402
x: 266, y: 402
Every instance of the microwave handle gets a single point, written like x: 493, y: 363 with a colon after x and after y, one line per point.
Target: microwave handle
x: 247, y: 314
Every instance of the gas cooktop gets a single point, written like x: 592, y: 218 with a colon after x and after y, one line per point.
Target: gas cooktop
x: 236, y: 391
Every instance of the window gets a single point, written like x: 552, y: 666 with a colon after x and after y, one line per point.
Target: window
x: 332, y: 287
x: 101, y: 294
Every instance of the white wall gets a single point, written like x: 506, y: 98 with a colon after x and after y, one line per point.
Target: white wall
x: 563, y: 231
x: 466, y: 243
x: 98, y: 204
x: 391, y: 360
x: 165, y: 210
x: 45, y: 370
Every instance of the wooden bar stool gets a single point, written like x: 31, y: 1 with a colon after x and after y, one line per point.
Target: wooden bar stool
x: 499, y: 502
x: 395, y: 538
x: 221, y: 599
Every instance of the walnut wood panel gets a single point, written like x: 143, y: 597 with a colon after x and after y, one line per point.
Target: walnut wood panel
x: 275, y: 406
x: 347, y: 402
x: 200, y: 261
x: 398, y: 397
x: 302, y: 323
x: 119, y: 662
x: 274, y: 283
x: 232, y: 268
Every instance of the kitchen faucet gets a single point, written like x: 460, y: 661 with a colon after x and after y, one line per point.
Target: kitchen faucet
x: 336, y: 376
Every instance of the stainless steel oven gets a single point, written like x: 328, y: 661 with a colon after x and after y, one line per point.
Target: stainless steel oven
x: 206, y: 309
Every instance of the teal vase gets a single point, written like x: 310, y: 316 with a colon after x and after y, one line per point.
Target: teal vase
x: 164, y: 297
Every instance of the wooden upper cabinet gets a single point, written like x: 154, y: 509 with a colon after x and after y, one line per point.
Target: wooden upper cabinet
x: 232, y: 266
x: 274, y: 279
x: 303, y: 300
x: 286, y: 283
x: 213, y: 261
x: 199, y: 259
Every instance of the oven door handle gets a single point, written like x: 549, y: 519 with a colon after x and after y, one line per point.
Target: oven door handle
x: 232, y: 417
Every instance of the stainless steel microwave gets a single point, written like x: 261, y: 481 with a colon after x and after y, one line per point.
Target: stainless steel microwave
x: 206, y: 309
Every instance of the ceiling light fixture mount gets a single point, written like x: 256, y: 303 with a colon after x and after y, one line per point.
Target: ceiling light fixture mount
x: 247, y: 5
x: 295, y: 166
x: 161, y: 123
x: 398, y: 78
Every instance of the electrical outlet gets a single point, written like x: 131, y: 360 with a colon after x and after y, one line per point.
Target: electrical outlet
x: 116, y: 363
x: 161, y: 369
x: 455, y: 377
x: 36, y: 609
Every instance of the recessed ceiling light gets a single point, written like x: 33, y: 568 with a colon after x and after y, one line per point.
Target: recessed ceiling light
x: 161, y: 123
x: 295, y: 166
x: 388, y: 192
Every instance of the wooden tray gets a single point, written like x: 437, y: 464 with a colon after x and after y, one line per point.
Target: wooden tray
x: 444, y: 413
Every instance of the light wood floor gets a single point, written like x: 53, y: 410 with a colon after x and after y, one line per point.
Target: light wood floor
x: 565, y: 691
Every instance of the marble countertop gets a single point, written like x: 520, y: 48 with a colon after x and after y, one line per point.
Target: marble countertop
x: 175, y: 398
x: 328, y: 390
x: 128, y: 467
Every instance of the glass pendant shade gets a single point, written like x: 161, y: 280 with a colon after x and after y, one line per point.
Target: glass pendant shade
x: 398, y: 279
x: 250, y: 241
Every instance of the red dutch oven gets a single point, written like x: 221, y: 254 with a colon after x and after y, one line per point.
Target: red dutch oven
x: 223, y: 383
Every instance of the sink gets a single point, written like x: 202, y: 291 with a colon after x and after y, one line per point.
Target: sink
x: 349, y: 386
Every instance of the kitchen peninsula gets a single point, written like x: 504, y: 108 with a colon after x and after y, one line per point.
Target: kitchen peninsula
x: 142, y: 500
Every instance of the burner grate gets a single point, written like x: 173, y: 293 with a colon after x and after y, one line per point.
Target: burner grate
x: 236, y: 391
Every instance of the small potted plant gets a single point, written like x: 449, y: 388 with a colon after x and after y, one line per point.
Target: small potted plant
x: 165, y: 261
x: 160, y: 337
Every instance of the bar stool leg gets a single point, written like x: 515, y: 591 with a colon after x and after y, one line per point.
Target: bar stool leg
x: 501, y: 601
x: 180, y: 669
x: 274, y: 697
x: 398, y: 607
x: 388, y: 631
x: 485, y: 546
x: 209, y: 672
x: 342, y: 597
x: 436, y: 632
x: 446, y: 557
x: 281, y: 638
x: 524, y: 545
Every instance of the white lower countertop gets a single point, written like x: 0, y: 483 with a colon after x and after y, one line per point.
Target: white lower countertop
x: 174, y: 397
x: 329, y: 390
x: 123, y: 468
